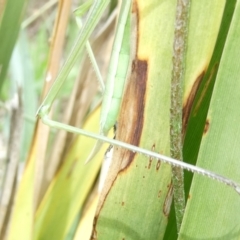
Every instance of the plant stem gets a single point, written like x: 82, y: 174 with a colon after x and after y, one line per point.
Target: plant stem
x: 179, y: 47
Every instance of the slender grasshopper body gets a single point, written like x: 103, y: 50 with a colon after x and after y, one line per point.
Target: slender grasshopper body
x: 116, y: 75
x: 120, y: 55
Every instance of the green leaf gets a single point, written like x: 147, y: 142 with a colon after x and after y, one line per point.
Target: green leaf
x: 9, y: 29
x: 212, y: 209
x: 138, y: 192
x: 198, y: 114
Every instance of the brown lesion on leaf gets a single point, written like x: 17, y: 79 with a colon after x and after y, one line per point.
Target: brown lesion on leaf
x: 189, y: 102
x: 206, y: 127
x: 188, y: 106
x: 158, y: 165
x: 132, y: 111
x: 205, y: 88
x: 149, y: 163
x: 168, y: 201
x: 150, y: 158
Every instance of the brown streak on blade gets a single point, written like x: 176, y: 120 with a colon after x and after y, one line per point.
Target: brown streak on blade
x: 150, y: 158
x: 132, y: 111
x: 158, y: 165
x: 168, y: 201
x: 159, y: 193
x: 188, y: 103
x: 206, y: 127
x: 149, y: 163
x: 205, y: 88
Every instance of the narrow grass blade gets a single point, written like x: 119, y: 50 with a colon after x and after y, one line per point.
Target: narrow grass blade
x: 214, y: 207
x: 9, y: 28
